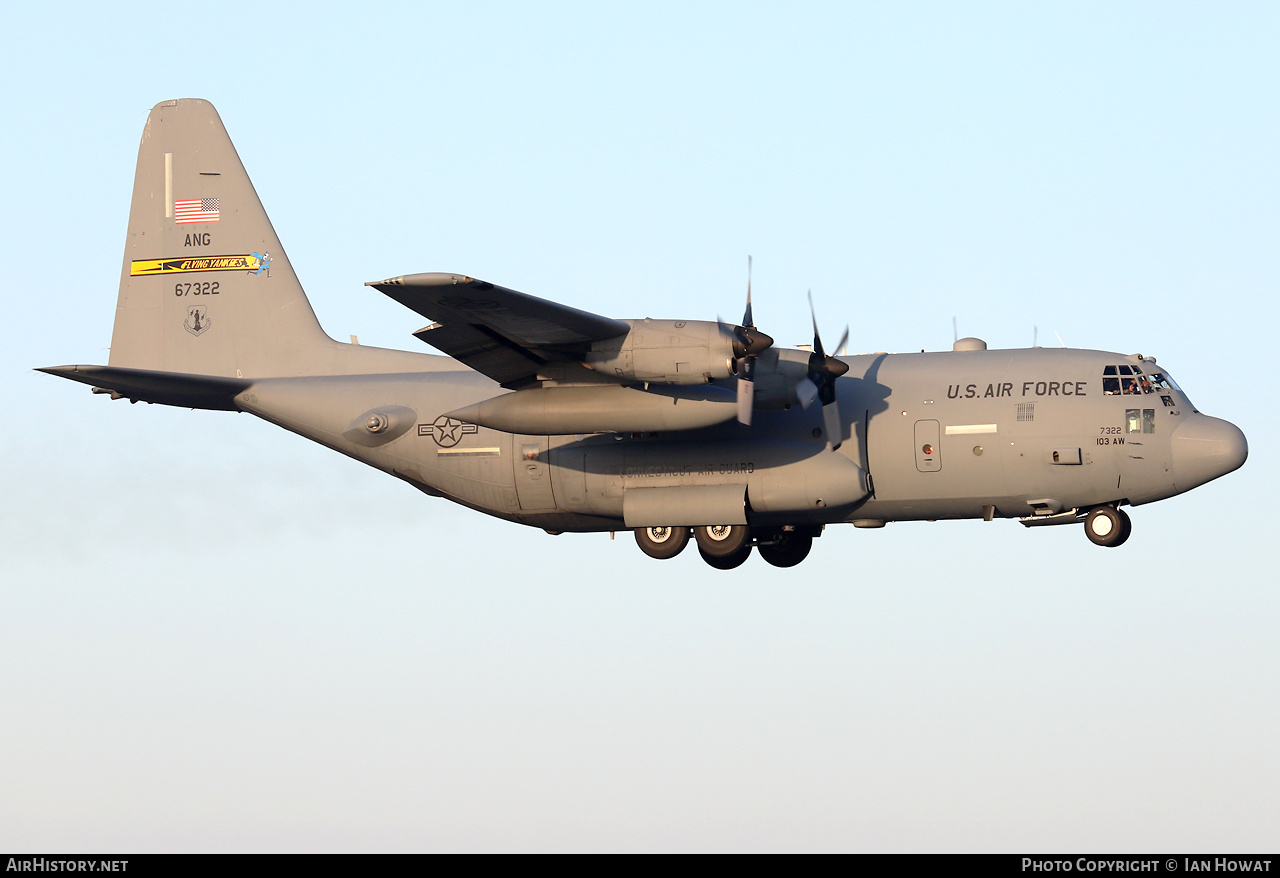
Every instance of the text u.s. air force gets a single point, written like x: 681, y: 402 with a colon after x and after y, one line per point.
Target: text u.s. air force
x: 1006, y: 389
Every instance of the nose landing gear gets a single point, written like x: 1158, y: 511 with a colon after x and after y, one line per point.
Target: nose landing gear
x: 788, y: 549
x: 1107, y: 526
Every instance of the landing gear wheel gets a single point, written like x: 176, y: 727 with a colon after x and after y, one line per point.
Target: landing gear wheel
x: 723, y: 540
x: 662, y: 542
x: 726, y: 562
x: 1107, y: 526
x: 790, y: 549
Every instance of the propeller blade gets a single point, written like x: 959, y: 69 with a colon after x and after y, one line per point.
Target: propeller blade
x: 817, y: 337
x: 746, y: 400
x: 806, y: 392
x: 748, y: 343
x: 821, y: 380
x: 844, y: 339
x: 831, y: 420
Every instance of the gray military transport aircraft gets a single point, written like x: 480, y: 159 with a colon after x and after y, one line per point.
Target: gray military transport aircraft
x: 562, y: 419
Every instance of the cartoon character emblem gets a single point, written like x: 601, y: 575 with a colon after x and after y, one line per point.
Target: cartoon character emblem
x: 258, y: 263
x: 447, y: 432
x: 197, y: 322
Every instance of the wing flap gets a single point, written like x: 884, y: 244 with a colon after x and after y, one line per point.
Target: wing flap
x: 487, y: 352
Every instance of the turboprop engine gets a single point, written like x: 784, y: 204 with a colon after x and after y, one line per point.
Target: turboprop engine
x: 668, y: 352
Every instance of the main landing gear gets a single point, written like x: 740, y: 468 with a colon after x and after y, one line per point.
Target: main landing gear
x: 662, y: 542
x: 726, y: 546
x: 723, y: 546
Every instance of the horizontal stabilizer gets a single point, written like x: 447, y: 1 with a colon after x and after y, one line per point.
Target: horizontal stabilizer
x: 163, y: 388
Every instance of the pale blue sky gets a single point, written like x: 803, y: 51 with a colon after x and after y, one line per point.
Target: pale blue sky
x: 216, y: 636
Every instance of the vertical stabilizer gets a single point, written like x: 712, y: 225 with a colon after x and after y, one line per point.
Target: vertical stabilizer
x: 206, y: 287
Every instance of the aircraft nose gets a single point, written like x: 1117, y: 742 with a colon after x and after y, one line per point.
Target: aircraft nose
x: 1205, y: 448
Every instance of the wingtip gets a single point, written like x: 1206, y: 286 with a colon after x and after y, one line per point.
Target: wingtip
x: 425, y: 279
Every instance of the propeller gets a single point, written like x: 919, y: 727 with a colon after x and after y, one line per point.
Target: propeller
x: 748, y: 343
x: 820, y: 383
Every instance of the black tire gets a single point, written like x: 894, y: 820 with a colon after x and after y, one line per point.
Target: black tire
x: 727, y: 562
x: 790, y: 549
x: 1126, y: 526
x: 1107, y: 526
x: 662, y: 542
x: 723, y: 540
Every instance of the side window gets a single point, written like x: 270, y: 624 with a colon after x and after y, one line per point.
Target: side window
x: 1139, y: 420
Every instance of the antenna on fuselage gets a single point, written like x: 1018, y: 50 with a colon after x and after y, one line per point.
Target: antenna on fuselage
x: 1060, y: 341
x: 955, y: 331
x: 1035, y: 336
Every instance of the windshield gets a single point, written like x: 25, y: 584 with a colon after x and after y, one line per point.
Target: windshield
x: 1129, y: 379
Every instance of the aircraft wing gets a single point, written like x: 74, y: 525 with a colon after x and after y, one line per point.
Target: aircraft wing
x: 502, y: 333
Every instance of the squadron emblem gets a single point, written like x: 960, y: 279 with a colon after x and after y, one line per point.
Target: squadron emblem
x: 197, y: 322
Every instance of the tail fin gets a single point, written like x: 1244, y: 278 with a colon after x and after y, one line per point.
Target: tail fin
x: 206, y: 287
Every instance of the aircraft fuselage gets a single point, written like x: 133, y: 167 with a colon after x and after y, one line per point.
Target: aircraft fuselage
x: 956, y: 434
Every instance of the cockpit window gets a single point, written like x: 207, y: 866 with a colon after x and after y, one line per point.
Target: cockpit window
x: 1127, y: 380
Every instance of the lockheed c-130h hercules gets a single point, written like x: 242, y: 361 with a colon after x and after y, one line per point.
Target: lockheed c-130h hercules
x: 562, y: 419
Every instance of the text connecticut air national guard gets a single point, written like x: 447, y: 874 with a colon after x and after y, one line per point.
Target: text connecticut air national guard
x: 562, y: 419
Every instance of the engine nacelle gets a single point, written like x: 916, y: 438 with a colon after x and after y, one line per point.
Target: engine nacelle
x: 667, y: 352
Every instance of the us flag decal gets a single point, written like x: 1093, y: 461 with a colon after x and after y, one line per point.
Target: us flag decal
x: 196, y: 210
